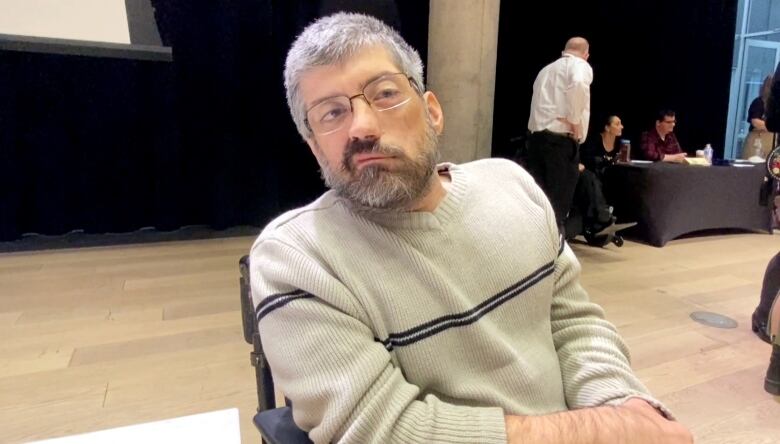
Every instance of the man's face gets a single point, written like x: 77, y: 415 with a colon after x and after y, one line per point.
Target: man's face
x: 379, y: 159
x: 666, y: 125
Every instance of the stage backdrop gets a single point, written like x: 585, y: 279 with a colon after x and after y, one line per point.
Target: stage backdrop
x: 112, y: 144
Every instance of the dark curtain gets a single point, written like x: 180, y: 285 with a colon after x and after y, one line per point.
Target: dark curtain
x: 113, y: 145
x: 645, y: 56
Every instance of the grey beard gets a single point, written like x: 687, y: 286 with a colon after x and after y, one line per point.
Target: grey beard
x: 375, y: 188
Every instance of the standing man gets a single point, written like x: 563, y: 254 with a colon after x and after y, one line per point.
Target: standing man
x: 660, y: 143
x: 560, y: 112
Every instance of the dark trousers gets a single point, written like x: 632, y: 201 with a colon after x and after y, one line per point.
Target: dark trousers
x: 589, y: 200
x: 769, y: 288
x: 552, y: 161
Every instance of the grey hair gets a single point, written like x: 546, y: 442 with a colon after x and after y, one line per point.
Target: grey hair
x: 335, y: 38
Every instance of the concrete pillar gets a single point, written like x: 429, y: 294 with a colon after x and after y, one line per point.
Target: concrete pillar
x: 462, y: 43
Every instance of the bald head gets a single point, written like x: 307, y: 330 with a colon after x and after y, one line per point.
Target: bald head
x: 577, y: 46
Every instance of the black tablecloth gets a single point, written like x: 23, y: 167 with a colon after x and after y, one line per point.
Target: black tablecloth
x: 669, y: 200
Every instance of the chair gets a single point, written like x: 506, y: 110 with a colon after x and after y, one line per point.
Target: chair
x: 518, y: 146
x: 274, y: 423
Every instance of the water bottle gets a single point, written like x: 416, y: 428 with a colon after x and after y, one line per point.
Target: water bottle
x: 708, y: 153
x: 759, y: 148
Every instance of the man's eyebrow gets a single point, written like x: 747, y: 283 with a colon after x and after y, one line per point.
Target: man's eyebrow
x: 378, y: 76
x: 323, y: 99
x: 362, y: 85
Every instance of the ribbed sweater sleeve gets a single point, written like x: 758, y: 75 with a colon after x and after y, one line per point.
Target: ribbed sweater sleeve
x: 342, y: 382
x: 594, y: 360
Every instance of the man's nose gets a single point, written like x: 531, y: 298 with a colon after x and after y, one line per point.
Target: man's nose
x: 365, y: 122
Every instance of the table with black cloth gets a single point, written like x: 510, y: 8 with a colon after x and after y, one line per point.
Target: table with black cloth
x: 669, y: 200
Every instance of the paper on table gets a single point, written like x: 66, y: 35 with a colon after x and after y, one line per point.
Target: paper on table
x: 219, y: 426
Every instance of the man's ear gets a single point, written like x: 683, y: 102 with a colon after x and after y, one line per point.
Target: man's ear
x: 434, y: 111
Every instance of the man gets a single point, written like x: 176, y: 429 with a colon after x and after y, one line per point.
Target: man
x: 407, y: 304
x: 660, y: 143
x: 560, y: 111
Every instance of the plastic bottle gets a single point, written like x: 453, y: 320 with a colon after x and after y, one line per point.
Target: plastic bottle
x: 708, y: 153
x: 758, y: 145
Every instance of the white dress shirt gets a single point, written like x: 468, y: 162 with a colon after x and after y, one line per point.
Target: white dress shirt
x: 562, y: 96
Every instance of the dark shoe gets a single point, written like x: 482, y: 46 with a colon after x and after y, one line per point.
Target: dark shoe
x: 759, y: 327
x: 772, y: 381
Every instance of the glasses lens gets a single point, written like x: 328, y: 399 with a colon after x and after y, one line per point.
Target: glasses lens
x: 388, y: 92
x: 328, y: 116
x: 385, y: 93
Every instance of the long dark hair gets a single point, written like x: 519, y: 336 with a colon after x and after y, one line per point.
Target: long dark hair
x: 766, y: 88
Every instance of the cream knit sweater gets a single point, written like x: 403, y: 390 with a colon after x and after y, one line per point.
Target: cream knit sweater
x: 430, y: 327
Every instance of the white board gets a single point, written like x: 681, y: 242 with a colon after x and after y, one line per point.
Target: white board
x: 89, y: 20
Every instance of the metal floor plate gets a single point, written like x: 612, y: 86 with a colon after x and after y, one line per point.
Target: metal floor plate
x: 713, y: 319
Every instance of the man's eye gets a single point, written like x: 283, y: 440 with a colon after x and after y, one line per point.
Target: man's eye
x: 386, y: 94
x: 331, y: 114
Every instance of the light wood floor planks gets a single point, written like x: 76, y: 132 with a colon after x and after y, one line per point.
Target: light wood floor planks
x: 103, y: 337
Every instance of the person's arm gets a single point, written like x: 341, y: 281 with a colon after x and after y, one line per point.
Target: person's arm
x: 578, y: 96
x: 635, y: 422
x: 758, y: 124
x: 342, y: 382
x: 678, y: 155
x: 674, y: 158
x: 607, y: 403
x: 756, y: 114
x: 649, y: 149
x: 594, y: 359
x: 595, y: 368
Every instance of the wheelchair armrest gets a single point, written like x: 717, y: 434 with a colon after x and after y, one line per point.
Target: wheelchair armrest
x: 277, y: 427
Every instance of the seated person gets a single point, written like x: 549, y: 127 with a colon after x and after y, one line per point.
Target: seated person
x: 596, y: 154
x: 601, y: 151
x: 660, y: 143
x: 759, y: 141
x: 424, y: 303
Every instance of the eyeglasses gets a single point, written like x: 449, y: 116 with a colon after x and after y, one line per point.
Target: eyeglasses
x: 388, y: 92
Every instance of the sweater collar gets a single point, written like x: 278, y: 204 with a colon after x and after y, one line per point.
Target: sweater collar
x: 447, y: 210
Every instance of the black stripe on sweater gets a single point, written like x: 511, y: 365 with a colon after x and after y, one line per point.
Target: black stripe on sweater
x: 471, y: 316
x: 273, y: 302
x: 563, y: 244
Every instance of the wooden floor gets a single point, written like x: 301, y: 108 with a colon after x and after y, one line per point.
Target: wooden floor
x: 104, y: 337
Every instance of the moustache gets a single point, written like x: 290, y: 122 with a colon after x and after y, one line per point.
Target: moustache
x: 359, y: 146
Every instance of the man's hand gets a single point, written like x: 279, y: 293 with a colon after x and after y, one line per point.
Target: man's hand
x: 675, y: 158
x: 581, y: 167
x: 576, y: 130
x: 669, y: 431
x: 635, y: 422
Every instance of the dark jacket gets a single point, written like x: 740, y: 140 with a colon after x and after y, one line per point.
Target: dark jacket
x: 772, y: 110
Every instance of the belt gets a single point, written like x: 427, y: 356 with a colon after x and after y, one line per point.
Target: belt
x: 569, y: 135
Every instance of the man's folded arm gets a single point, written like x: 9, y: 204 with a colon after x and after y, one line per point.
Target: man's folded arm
x: 594, y: 359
